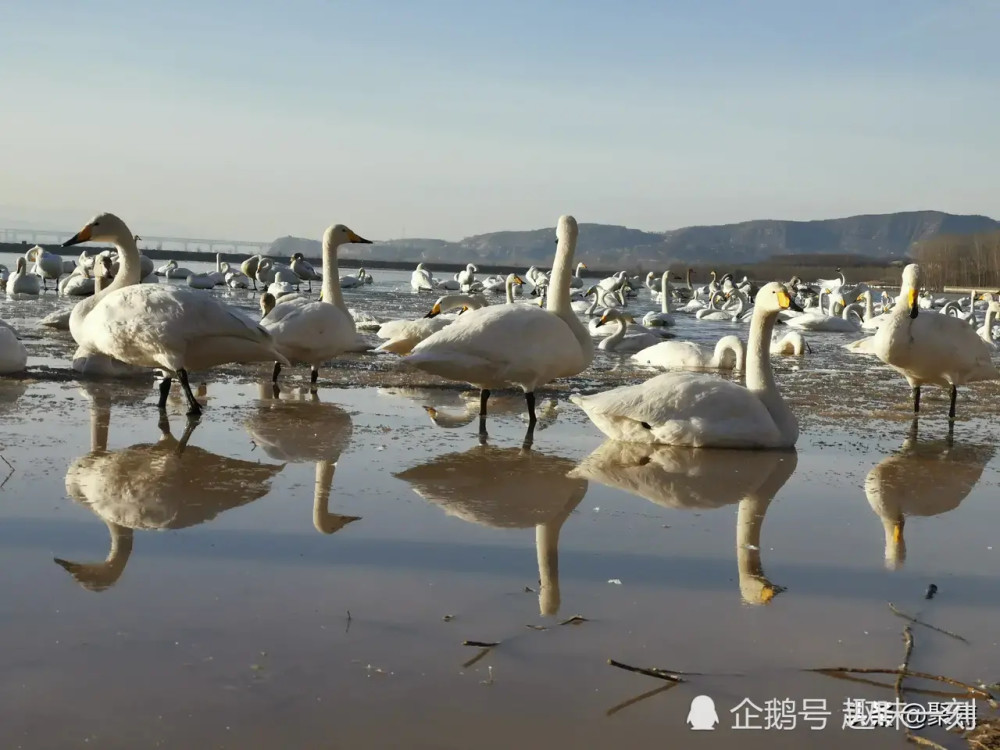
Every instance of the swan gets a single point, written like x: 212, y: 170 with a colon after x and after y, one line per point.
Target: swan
x: 59, y: 319
x: 172, y: 328
x: 350, y: 282
x: 467, y: 277
x: 699, y: 479
x: 448, y: 285
x: 421, y: 280
x: 77, y: 284
x: 700, y: 410
x: 521, y: 345
x: 985, y: 331
x: 47, y: 265
x: 586, y: 305
x: 792, y: 344
x: 662, y: 318
x: 576, y: 282
x: 871, y: 321
x: 403, y: 335
x: 827, y: 322
x: 304, y: 270
x: 316, y: 331
x: 931, y: 348
x: 236, y: 279
x: 13, y: 355
x: 621, y: 340
x: 309, y: 432
x: 164, y: 485
x: 713, y: 313
x: 4, y: 274
x: 201, y: 280
x: 172, y: 271
x: 507, y: 488
x: 921, y: 479
x: 23, y: 283
x: 729, y: 354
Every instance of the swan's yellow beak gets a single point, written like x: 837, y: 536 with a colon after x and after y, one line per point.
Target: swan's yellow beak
x: 767, y: 594
x: 82, y: 236
x: 517, y: 280
x: 911, y: 300
x: 859, y: 298
x: 436, y: 310
x: 357, y: 239
x: 897, y: 532
x: 583, y: 265
x: 602, y: 321
x: 784, y: 301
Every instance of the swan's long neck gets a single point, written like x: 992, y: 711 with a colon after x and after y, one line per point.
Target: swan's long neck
x: 331, y: 275
x: 325, y: 521
x: 593, y: 305
x: 760, y: 376
x: 895, y: 544
x: 615, y: 338
x: 690, y: 286
x: 577, y: 272
x: 990, y: 317
x: 510, y: 291
x: 869, y: 310
x: 547, y: 549
x: 218, y: 262
x: 558, y: 301
x: 129, y: 266
x: 665, y: 293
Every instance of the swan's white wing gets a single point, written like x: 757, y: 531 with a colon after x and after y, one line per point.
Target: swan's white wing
x: 494, y: 347
x: 683, y: 408
x: 672, y: 355
x: 314, y: 332
x: 935, y: 348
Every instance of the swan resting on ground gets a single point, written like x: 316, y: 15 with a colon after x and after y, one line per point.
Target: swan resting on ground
x: 729, y: 354
x: 702, y: 411
x: 792, y: 344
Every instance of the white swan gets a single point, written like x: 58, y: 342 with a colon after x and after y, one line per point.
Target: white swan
x: 729, y: 354
x: 47, y: 265
x: 507, y: 488
x: 792, y: 344
x: 662, y: 318
x: 700, y: 410
x: 403, y: 335
x: 249, y: 268
x: 421, y: 280
x: 931, y: 348
x: 77, y: 284
x: 622, y: 340
x: 351, y: 282
x: 314, y: 332
x: 172, y: 271
x: 173, y: 328
x: 518, y: 345
x: 467, y: 277
x: 921, y: 479
x: 713, y: 313
x: 304, y: 270
x: 13, y: 355
x: 201, y: 280
x: 828, y: 322
x: 576, y: 282
x: 23, y: 283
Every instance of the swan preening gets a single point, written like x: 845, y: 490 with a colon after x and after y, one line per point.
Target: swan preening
x: 699, y: 410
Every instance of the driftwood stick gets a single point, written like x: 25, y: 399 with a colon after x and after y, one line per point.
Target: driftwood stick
x: 915, y: 621
x: 907, y: 650
x: 481, y: 644
x: 476, y: 658
x: 977, y: 692
x: 659, y: 674
x: 875, y: 683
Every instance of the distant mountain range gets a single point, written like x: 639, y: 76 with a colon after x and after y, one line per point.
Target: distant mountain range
x: 877, y: 236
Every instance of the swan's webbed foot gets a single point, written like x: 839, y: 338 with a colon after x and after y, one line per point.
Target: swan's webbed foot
x: 275, y: 372
x: 916, y: 399
x: 164, y: 393
x: 195, y: 407
x: 951, y: 408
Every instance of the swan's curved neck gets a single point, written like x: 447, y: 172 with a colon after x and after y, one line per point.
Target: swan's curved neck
x: 510, y: 291
x: 615, y: 338
x: 547, y: 549
x: 331, y: 276
x: 129, y: 266
x: 665, y: 293
x: 325, y: 521
x: 869, y: 310
x: 760, y: 376
x: 895, y: 544
x: 558, y: 301
x: 990, y: 317
x: 577, y: 272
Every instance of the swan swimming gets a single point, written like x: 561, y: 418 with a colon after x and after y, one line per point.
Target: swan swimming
x: 316, y: 331
x: 521, y: 345
x: 729, y: 354
x: 172, y: 328
x: 623, y: 340
x: 703, y: 411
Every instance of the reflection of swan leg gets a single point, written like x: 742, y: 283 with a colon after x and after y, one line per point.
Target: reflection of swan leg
x: 188, y: 429
x: 195, y: 410
x: 275, y: 372
x: 484, y: 396
x: 916, y: 399
x: 529, y: 437
x: 164, y: 391
x: 954, y: 395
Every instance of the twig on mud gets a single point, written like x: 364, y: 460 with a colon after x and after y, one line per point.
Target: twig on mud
x: 660, y: 674
x: 2, y: 458
x: 575, y: 620
x: 641, y: 697
x: 481, y: 644
x: 914, y: 620
x: 907, y: 650
x: 975, y: 691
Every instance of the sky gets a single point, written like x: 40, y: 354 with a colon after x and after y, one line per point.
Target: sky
x: 253, y: 119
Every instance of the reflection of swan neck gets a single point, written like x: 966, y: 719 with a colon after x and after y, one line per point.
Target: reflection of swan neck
x: 100, y: 421
x: 895, y: 544
x: 754, y: 586
x: 102, y: 575
x: 547, y: 549
x: 324, y: 521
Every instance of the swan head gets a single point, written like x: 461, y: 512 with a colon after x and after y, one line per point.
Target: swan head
x: 775, y: 297
x: 20, y: 266
x: 911, y: 286
x: 614, y: 314
x: 339, y: 234
x: 566, y: 229
x: 514, y: 279
x: 267, y: 303
x: 104, y: 227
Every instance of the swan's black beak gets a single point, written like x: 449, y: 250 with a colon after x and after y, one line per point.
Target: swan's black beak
x: 431, y: 314
x: 82, y: 236
x: 600, y: 323
x: 358, y: 239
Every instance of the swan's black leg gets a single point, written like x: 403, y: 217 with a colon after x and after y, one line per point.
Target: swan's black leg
x: 529, y: 437
x: 314, y: 375
x: 484, y: 396
x: 275, y: 390
x: 195, y: 410
x: 275, y: 371
x: 254, y: 280
x: 188, y: 429
x: 164, y: 392
x: 916, y: 399
x: 954, y: 395
x: 530, y: 398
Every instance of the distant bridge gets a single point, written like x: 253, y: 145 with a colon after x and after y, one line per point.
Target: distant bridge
x: 186, y: 244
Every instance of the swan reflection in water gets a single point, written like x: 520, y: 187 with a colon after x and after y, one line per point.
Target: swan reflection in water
x: 449, y: 409
x: 300, y: 428
x: 152, y: 486
x: 922, y: 478
x: 507, y: 488
x: 696, y: 478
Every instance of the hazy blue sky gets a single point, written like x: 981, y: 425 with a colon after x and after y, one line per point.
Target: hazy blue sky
x: 250, y: 119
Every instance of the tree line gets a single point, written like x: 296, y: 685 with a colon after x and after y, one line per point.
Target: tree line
x: 971, y: 260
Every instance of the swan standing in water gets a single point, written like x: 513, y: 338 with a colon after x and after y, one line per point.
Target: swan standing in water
x: 729, y: 354
x: 47, y: 265
x: 698, y: 479
x: 172, y: 328
x: 314, y: 332
x: 931, y: 348
x: 309, y: 432
x: 304, y: 270
x: 921, y: 479
x: 507, y: 488
x: 700, y: 410
x: 664, y: 317
x: 521, y: 345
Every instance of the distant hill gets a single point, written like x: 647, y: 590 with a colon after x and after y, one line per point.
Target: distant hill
x: 877, y: 236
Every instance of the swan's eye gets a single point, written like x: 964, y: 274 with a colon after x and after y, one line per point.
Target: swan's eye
x: 645, y: 459
x: 646, y: 425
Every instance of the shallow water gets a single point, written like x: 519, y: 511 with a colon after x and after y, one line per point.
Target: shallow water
x: 304, y: 572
